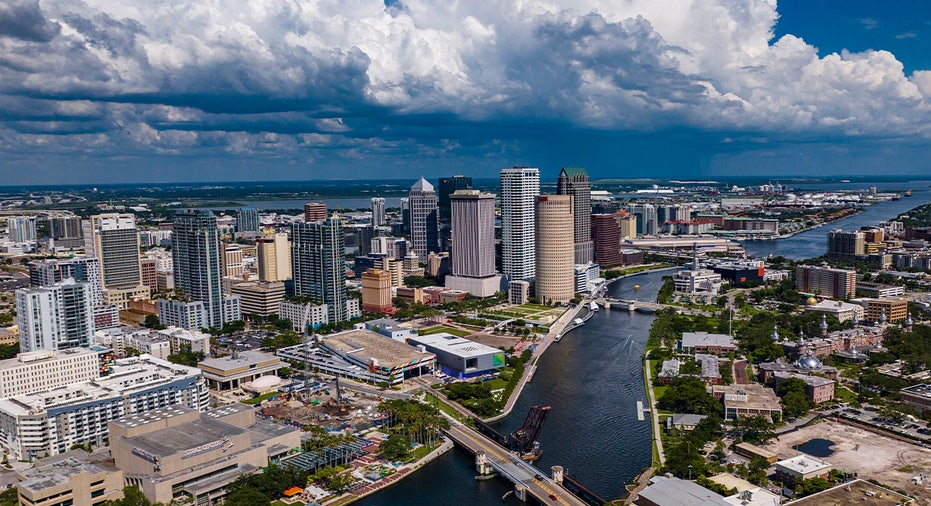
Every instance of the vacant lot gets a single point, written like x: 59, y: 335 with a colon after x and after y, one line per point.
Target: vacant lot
x: 872, y: 456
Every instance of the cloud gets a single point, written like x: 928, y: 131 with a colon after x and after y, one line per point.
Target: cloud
x: 368, y: 78
x: 869, y: 23
x: 906, y: 35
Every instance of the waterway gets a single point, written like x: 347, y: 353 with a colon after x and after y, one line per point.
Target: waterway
x: 813, y: 243
x: 349, y: 203
x: 592, y: 379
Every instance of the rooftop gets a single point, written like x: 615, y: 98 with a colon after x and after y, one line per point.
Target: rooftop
x: 803, y: 464
x: 675, y: 492
x: 174, y: 439
x: 458, y: 346
x: 54, y: 471
x: 856, y: 492
x: 922, y: 389
x: 365, y: 345
x: 240, y: 359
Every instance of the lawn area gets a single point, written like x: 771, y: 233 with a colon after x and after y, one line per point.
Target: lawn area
x: 420, y: 452
x: 844, y: 395
x: 444, y: 407
x: 444, y: 328
x: 260, y: 398
x: 658, y: 391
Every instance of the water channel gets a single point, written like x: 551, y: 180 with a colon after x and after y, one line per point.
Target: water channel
x: 593, y: 379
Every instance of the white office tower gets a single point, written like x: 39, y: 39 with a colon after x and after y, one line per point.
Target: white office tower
x: 472, y: 233
x: 378, y: 212
x: 114, y: 239
x: 519, y: 189
x: 425, y: 225
x: 56, y: 317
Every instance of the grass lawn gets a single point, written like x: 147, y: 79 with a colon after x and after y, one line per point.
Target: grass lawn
x: 658, y: 391
x: 444, y: 328
x: 844, y: 395
x: 259, y: 398
x: 496, y: 384
x: 444, y: 407
x: 420, y: 452
x: 536, y: 307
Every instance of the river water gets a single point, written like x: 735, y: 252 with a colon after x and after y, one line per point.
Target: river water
x: 592, y: 379
x: 813, y: 243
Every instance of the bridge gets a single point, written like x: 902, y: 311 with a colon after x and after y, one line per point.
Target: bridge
x: 528, y: 480
x: 643, y: 306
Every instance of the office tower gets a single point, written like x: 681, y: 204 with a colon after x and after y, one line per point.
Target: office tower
x: 405, y: 216
x: 314, y: 211
x: 247, y: 220
x: 231, y: 261
x: 113, y: 239
x: 519, y: 189
x: 446, y: 187
x: 606, y: 236
x: 846, y: 244
x: 424, y: 224
x: 378, y: 212
x: 274, y: 258
x: 21, y: 228
x: 646, y: 218
x: 66, y: 231
x: 47, y: 272
x: 555, y: 270
x: 473, y: 243
x: 392, y: 266
x: 149, y: 269
x: 318, y: 264
x: 55, y: 317
x: 833, y: 283
x: 376, y: 291
x: 574, y: 182
x: 195, y: 253
x: 628, y: 224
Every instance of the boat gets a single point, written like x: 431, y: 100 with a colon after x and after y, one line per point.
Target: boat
x: 908, y: 193
x: 578, y: 321
x: 593, y: 307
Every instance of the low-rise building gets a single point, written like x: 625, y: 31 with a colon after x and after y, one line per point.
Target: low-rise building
x: 917, y: 396
x: 801, y: 467
x: 855, y: 492
x: 190, y: 315
x: 75, y: 478
x: 880, y: 291
x: 668, y: 491
x: 843, y: 311
x: 752, y: 451
x: 518, y: 292
x: 817, y: 389
x: 389, y: 328
x: 410, y: 295
x: 748, y: 400
x: 182, y: 454
x: 233, y: 371
x: 703, y: 342
x: 460, y: 357
x: 683, y: 421
x: 889, y: 310
x: 259, y: 298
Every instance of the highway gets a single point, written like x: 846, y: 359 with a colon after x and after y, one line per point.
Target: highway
x: 513, y: 467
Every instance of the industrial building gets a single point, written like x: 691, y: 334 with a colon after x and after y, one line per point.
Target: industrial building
x: 460, y: 357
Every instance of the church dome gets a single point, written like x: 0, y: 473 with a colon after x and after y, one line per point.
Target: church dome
x: 811, y: 301
x: 809, y: 362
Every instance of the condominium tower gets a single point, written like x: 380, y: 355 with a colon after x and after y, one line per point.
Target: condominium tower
x: 424, y: 225
x: 318, y: 264
x: 274, y: 258
x: 575, y: 183
x: 56, y: 317
x: 555, y: 273
x: 247, y: 220
x: 114, y: 239
x: 195, y: 251
x: 378, y: 211
x: 519, y: 188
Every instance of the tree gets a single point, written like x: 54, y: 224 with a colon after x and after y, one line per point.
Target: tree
x: 341, y: 482
x: 794, y: 399
x: 246, y: 497
x: 754, y: 429
x: 396, y: 447
x: 132, y: 496
x: 151, y: 321
x: 9, y: 497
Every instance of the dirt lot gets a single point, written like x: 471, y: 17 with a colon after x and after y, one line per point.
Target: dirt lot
x: 494, y: 341
x: 886, y: 460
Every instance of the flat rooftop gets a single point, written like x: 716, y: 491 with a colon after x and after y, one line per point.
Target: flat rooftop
x: 803, y: 464
x: 923, y: 390
x: 365, y: 345
x: 675, y: 492
x: 239, y: 360
x: 171, y: 440
x: 858, y: 492
x: 693, y: 339
x: 454, y: 345
x: 57, y: 470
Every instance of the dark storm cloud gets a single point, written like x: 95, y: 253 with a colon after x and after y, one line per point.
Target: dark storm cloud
x: 25, y: 20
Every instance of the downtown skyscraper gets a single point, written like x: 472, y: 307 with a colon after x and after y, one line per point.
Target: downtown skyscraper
x: 114, y: 239
x: 555, y: 275
x: 56, y: 317
x: 378, y: 211
x: 519, y: 189
x: 446, y: 187
x: 473, y: 243
x: 424, y: 219
x: 247, y: 220
x: 318, y: 264
x: 575, y: 183
x: 195, y: 252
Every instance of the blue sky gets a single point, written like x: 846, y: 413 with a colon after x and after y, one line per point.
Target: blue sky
x: 96, y: 91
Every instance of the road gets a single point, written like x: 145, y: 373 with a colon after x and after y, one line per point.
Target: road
x: 513, y: 467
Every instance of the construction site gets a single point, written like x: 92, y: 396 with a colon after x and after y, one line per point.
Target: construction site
x: 326, y: 403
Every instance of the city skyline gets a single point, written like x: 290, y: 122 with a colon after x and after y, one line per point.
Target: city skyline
x: 98, y: 92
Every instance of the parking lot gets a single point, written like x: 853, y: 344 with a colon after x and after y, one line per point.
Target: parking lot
x: 906, y: 426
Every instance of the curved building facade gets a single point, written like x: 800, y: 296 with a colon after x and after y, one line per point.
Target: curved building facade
x: 555, y: 245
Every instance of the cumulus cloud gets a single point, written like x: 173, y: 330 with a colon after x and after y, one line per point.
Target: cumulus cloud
x: 289, y: 77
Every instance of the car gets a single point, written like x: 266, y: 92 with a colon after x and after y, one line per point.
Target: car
x: 538, y: 477
x: 553, y: 497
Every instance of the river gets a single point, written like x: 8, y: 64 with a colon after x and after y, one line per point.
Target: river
x: 348, y: 203
x: 813, y: 243
x: 592, y: 379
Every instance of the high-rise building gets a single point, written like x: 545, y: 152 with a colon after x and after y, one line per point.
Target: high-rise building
x: 606, y: 235
x: 575, y: 183
x: 55, y: 270
x: 247, y: 220
x: 65, y: 228
x: 314, y: 211
x: 318, y: 264
x: 446, y: 187
x: 274, y: 258
x: 114, y: 239
x: 519, y: 189
x: 378, y: 211
x: 232, y: 264
x: 646, y: 218
x: 376, y: 291
x: 149, y: 271
x: 195, y: 255
x: 21, y: 228
x: 55, y: 317
x: 405, y: 216
x: 473, y: 243
x: 555, y: 251
x: 424, y: 224
x: 627, y: 223
x: 846, y: 244
x: 834, y: 283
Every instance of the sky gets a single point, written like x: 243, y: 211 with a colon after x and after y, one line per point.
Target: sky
x: 97, y: 91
